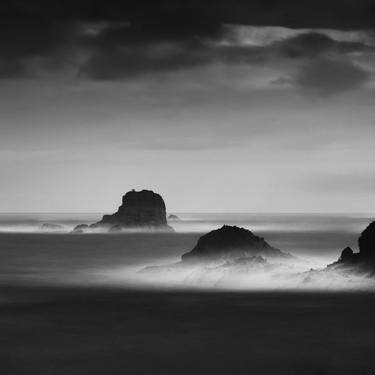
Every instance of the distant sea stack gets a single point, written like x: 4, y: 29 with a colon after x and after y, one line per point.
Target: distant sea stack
x: 173, y: 217
x: 230, y: 242
x: 364, y: 261
x: 139, y: 210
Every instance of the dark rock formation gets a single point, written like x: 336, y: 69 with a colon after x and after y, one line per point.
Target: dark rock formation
x: 80, y: 228
x: 346, y: 254
x: 115, y: 228
x: 231, y: 242
x: 173, y: 217
x: 364, y: 261
x: 366, y: 241
x: 139, y: 209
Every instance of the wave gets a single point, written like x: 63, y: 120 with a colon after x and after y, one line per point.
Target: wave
x: 33, y: 228
x: 297, y: 275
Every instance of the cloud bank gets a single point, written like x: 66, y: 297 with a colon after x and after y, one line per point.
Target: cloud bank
x: 302, y: 42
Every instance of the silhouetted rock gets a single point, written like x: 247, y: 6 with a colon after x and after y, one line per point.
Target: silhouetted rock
x: 231, y: 242
x: 364, y: 261
x: 173, y: 217
x: 366, y: 241
x: 139, y: 209
x: 346, y: 255
x: 80, y: 228
x: 115, y: 228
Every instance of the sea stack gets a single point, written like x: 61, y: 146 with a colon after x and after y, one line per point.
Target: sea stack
x: 365, y: 259
x: 231, y: 242
x: 139, y: 209
x: 366, y: 242
x: 143, y: 210
x: 173, y: 217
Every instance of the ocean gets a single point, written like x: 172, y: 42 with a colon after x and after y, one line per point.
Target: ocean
x: 31, y: 253
x: 77, y: 303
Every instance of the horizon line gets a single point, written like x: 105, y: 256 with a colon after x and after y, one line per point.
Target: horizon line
x: 197, y: 212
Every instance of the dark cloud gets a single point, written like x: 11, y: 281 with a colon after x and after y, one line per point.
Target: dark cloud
x: 329, y: 76
x: 11, y: 68
x: 312, y: 44
x: 125, y: 38
x: 119, y: 62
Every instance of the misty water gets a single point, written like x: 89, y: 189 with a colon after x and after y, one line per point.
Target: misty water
x: 33, y: 254
x: 73, y: 304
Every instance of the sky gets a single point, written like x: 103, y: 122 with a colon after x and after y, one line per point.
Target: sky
x: 220, y: 106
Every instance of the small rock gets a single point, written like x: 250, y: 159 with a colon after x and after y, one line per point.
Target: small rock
x: 173, y: 217
x: 81, y: 228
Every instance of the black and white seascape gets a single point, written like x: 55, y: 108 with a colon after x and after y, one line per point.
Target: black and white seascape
x: 187, y: 187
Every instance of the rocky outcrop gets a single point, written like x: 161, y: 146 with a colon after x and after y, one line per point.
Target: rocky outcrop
x: 80, y: 228
x: 346, y: 254
x: 366, y: 242
x: 172, y: 217
x: 140, y: 210
x: 364, y: 261
x: 230, y: 242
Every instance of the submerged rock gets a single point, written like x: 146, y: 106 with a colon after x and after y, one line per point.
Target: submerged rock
x: 115, y: 228
x: 52, y: 227
x: 231, y: 242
